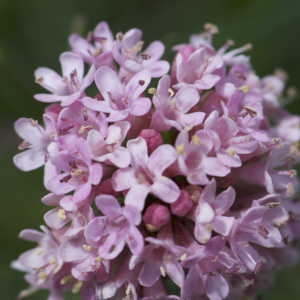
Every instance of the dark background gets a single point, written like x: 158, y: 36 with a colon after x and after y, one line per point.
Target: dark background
x: 34, y: 32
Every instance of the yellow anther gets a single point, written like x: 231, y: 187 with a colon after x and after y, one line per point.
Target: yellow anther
x: 66, y: 279
x: 39, y: 80
x: 97, y: 52
x: 61, y: 213
x: 231, y: 152
x: 196, y: 140
x: 244, y: 88
x: 77, y: 287
x: 171, y: 92
x: 87, y: 247
x: 180, y: 149
x: 151, y: 228
x: 52, y: 261
x: 84, y: 128
x: 76, y: 172
x: 119, y: 36
x: 42, y: 275
x: 183, y: 257
x: 163, y: 271
x: 152, y: 91
x: 98, y: 259
x: 211, y: 28
x: 290, y: 190
x: 39, y: 251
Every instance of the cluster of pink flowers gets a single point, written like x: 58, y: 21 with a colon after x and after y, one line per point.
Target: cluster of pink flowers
x: 161, y: 177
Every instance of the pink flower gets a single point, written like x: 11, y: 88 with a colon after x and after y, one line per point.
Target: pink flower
x: 173, y: 109
x: 128, y: 53
x: 108, y: 147
x: 97, y: 47
x: 120, y: 100
x: 202, y: 69
x: 209, y: 213
x: 117, y: 227
x: 70, y: 168
x: 152, y: 137
x: 67, y: 88
x: 42, y: 262
x: 156, y: 216
x: 35, y: 142
x: 145, y: 175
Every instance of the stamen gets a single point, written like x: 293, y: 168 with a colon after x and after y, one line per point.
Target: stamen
x: 180, y: 149
x: 171, y: 92
x: 163, y: 271
x: 211, y: 28
x: 244, y: 88
x: 77, y: 287
x: 196, y: 140
x: 87, y: 247
x: 231, y: 151
x: 152, y: 91
x: 39, y: 80
x: 66, y: 279
x: 61, y: 214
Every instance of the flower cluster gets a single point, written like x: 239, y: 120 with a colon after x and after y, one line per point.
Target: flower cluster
x: 165, y: 181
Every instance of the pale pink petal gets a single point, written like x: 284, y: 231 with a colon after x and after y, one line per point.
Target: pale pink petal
x: 124, y: 179
x: 138, y: 150
x: 137, y: 84
x: 136, y: 196
x: 71, y: 63
x: 108, y: 205
x: 161, y: 158
x: 159, y: 68
x: 216, y: 287
x: 224, y: 201
x: 120, y: 157
x: 186, y: 98
x: 223, y: 225
x: 155, y: 50
x: 108, y: 82
x: 214, y: 167
x: 140, y: 106
x: 50, y: 81
x: 165, y: 189
x: 29, y: 160
x: 135, y: 241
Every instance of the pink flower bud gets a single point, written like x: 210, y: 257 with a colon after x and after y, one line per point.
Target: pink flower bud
x: 182, y: 205
x: 156, y: 216
x: 105, y: 187
x: 152, y: 137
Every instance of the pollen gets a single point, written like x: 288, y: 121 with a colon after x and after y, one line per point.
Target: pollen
x: 163, y: 271
x: 66, y: 279
x: 244, y: 88
x: 171, y: 92
x: 42, y: 275
x: 39, y: 80
x: 87, y: 248
x: 61, y: 214
x: 231, y: 152
x: 152, y: 91
x: 77, y: 287
x: 196, y: 140
x: 180, y: 149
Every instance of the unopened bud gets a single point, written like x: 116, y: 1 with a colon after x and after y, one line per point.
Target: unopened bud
x: 182, y: 205
x: 152, y: 137
x: 156, y: 216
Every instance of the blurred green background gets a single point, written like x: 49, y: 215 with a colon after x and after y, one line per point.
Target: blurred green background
x: 34, y: 32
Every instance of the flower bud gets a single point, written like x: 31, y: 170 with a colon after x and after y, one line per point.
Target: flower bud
x: 152, y: 137
x: 156, y: 216
x: 182, y: 205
